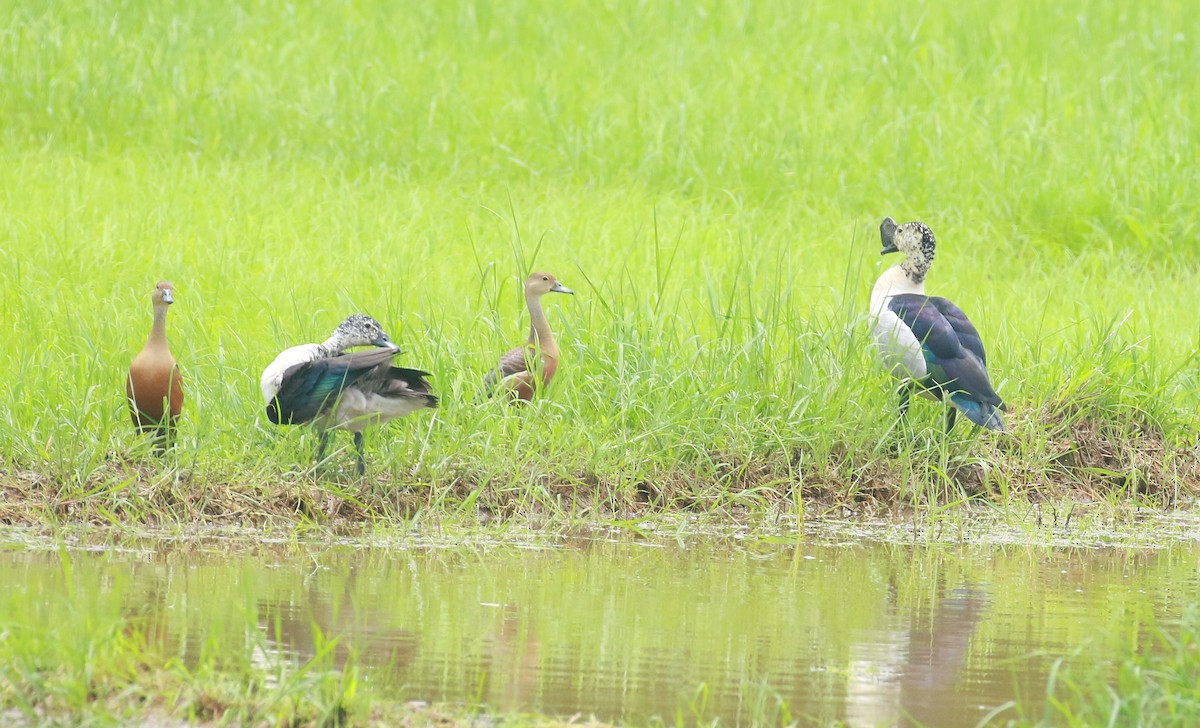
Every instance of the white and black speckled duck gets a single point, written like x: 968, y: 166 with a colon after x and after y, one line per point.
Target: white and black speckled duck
x: 321, y: 384
x: 524, y: 370
x: 927, y: 341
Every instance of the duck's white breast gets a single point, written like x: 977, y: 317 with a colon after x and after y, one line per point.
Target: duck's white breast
x: 898, y: 348
x: 272, y: 376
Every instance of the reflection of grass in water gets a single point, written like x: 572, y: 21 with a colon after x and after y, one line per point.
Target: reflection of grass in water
x: 1160, y: 686
x: 87, y: 656
x: 718, y: 628
x: 708, y: 178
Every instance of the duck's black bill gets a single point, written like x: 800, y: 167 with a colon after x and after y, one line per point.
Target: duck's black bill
x: 887, y: 233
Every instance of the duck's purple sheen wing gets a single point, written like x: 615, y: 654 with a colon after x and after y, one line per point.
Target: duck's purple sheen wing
x: 968, y: 336
x: 951, y: 345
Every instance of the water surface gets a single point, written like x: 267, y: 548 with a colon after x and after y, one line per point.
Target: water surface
x: 818, y: 631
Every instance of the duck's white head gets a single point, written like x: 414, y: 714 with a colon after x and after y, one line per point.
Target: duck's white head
x: 915, y: 240
x: 358, y: 330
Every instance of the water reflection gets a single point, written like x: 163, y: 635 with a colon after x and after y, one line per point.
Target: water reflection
x: 314, y: 622
x: 910, y: 674
x: 512, y: 661
x: 861, y: 634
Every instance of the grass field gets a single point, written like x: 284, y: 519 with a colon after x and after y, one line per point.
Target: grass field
x: 709, y: 178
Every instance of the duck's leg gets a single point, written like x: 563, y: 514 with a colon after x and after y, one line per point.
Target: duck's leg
x: 951, y: 414
x: 322, y: 442
x: 362, y: 456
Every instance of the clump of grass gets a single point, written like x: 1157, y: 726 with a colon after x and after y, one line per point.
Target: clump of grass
x: 718, y: 218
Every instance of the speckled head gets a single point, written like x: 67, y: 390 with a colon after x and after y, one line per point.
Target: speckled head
x: 359, y: 330
x: 164, y: 294
x: 915, y: 240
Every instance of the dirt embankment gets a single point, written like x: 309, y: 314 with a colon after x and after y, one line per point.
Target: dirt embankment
x: 1071, y: 456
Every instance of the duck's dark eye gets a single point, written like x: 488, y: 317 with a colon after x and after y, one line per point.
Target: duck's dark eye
x: 544, y: 278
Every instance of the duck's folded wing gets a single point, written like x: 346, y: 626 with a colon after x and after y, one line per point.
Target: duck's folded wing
x: 955, y: 361
x: 310, y: 388
x: 928, y: 325
x: 514, y: 362
x: 968, y: 335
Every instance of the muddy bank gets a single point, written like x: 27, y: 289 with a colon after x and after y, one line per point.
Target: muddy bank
x: 1073, y: 457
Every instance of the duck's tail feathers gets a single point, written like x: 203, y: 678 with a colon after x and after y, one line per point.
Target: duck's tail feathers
x: 983, y: 414
x: 415, y: 384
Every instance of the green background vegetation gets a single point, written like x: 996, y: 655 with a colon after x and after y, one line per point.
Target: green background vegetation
x: 708, y: 176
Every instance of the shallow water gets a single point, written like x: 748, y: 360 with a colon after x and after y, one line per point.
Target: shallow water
x: 822, y: 630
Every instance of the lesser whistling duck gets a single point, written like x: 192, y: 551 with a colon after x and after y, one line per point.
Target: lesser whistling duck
x: 525, y: 369
x: 925, y: 341
x: 321, y: 384
x: 154, y: 386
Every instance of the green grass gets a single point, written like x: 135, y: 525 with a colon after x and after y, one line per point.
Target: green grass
x: 709, y: 178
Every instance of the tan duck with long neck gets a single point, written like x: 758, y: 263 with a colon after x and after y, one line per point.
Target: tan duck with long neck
x: 154, y: 386
x: 524, y: 370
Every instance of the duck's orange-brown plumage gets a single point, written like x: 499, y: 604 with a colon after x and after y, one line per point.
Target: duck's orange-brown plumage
x: 154, y: 386
x: 518, y: 372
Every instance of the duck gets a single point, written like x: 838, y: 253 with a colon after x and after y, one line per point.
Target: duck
x: 322, y: 385
x: 523, y: 371
x: 154, y: 385
x: 927, y: 342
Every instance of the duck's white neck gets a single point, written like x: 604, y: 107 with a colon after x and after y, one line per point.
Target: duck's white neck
x: 893, y: 282
x: 335, y: 345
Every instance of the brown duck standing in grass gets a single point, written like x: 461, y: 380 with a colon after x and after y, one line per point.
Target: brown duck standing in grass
x: 518, y: 373
x: 154, y: 386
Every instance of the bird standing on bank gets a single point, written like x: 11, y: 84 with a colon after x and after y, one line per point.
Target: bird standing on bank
x: 526, y: 369
x: 925, y: 341
x: 154, y: 386
x: 333, y: 390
